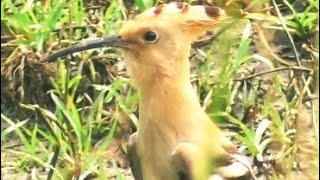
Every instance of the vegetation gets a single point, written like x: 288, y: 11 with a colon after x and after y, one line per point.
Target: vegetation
x: 258, y: 78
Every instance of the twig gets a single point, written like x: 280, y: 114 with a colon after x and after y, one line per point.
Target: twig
x: 272, y: 71
x: 209, y: 40
x: 53, y: 161
x: 284, y: 26
x: 6, y: 38
x: 303, y: 92
x: 264, y: 42
x: 305, y: 88
x: 314, y: 52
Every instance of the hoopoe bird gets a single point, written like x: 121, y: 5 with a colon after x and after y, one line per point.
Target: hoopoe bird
x: 176, y: 140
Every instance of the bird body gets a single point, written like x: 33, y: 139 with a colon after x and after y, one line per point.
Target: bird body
x: 176, y: 140
x: 170, y: 116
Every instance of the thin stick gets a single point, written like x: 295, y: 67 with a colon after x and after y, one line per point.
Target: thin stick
x: 284, y: 26
x: 53, y: 161
x: 272, y: 71
x: 264, y: 42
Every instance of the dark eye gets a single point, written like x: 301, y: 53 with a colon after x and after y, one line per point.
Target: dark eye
x: 151, y: 37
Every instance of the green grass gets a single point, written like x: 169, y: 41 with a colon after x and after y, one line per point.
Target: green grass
x: 68, y: 133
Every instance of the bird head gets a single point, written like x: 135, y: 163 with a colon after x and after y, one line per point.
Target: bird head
x: 156, y: 43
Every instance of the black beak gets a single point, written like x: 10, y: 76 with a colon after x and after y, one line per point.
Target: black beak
x: 113, y: 41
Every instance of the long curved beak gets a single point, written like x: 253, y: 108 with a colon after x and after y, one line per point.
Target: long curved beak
x: 113, y: 41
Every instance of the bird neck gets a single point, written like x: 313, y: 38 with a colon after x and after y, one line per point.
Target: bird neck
x: 167, y: 84
x: 167, y: 101
x: 165, y: 87
x: 166, y: 80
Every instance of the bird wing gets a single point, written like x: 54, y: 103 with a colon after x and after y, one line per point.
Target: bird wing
x: 189, y: 162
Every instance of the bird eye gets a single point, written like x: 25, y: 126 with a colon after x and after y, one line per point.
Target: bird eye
x: 151, y: 37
